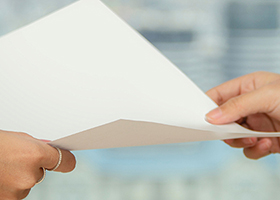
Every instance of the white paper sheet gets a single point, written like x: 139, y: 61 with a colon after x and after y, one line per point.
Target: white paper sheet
x: 84, y: 79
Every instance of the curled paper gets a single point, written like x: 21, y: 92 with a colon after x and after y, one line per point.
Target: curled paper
x: 84, y: 79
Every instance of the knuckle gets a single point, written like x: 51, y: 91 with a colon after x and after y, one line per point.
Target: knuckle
x: 35, y: 153
x: 269, y: 92
x: 236, y: 105
x: 248, y: 87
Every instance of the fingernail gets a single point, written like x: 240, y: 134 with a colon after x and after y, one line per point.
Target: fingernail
x: 264, y: 146
x: 247, y: 141
x: 46, y: 141
x: 214, y: 114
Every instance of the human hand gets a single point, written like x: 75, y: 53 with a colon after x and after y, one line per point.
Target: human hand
x: 253, y: 101
x: 21, y: 160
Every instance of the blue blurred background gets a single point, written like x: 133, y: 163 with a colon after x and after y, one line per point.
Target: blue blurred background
x: 211, y: 41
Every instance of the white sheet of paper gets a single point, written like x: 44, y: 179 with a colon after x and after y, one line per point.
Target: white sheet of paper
x: 84, y: 79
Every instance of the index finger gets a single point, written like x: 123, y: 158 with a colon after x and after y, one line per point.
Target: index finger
x: 240, y: 85
x: 230, y: 89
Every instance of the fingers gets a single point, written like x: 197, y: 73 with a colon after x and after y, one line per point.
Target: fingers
x: 261, y: 149
x: 240, y: 85
x: 260, y: 122
x: 227, y: 90
x: 21, y: 163
x: 50, y: 155
x: 254, y: 148
x: 67, y: 164
x: 251, y: 100
x: 242, y: 143
x: 243, y: 105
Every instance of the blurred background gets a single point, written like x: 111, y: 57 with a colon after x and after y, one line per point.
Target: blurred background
x: 211, y: 41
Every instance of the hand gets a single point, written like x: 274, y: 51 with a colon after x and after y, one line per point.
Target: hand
x: 21, y: 160
x: 253, y: 101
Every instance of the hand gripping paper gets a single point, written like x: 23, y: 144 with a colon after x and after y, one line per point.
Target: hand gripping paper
x: 84, y: 79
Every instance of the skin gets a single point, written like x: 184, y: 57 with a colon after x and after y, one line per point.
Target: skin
x: 21, y: 160
x: 253, y: 101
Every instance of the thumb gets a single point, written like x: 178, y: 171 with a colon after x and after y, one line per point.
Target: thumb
x: 257, y: 101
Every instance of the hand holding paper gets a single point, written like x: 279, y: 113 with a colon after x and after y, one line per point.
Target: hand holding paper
x: 254, y: 100
x: 21, y: 160
x: 84, y: 79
